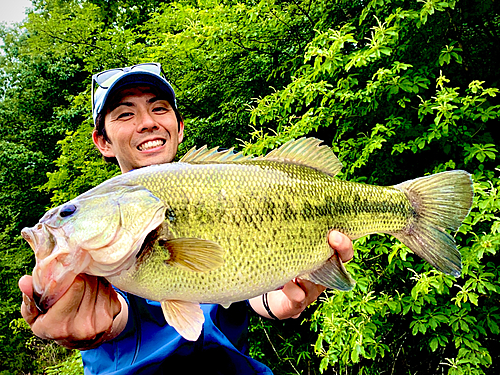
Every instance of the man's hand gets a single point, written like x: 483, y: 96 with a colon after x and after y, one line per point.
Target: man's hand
x: 89, y: 313
x: 297, y: 294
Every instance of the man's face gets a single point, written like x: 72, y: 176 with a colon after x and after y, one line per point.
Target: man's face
x: 142, y: 129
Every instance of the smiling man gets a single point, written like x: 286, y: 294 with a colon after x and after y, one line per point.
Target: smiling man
x: 141, y: 129
x: 137, y: 124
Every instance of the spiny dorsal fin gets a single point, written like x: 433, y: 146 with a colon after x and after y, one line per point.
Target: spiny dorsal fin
x: 204, y: 155
x: 303, y: 151
x: 307, y: 152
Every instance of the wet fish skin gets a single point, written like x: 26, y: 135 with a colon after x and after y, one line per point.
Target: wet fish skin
x: 230, y: 227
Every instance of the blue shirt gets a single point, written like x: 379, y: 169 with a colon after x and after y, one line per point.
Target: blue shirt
x: 148, y: 345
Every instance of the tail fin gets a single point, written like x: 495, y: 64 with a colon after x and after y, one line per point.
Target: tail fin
x: 441, y: 201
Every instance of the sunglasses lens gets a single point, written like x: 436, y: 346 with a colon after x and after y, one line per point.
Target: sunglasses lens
x: 148, y: 67
x: 102, y: 77
x: 106, y: 78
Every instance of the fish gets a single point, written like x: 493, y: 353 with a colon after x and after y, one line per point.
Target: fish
x: 220, y: 227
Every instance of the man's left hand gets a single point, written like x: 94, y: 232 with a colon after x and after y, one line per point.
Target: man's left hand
x: 297, y: 294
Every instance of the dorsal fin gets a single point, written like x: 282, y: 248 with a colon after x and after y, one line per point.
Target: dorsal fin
x: 303, y: 151
x: 204, y: 155
x: 307, y: 152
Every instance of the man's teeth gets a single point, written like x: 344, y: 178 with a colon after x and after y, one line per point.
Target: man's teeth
x: 150, y: 144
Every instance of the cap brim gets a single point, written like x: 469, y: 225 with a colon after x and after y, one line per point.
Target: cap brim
x: 138, y: 78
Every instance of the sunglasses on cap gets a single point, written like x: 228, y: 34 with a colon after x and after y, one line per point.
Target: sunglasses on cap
x: 105, y: 79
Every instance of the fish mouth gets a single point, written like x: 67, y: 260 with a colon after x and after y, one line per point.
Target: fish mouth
x: 56, y: 267
x: 151, y: 144
x: 40, y: 305
x: 50, y: 294
x: 40, y: 240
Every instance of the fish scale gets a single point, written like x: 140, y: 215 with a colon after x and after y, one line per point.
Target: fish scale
x: 221, y: 227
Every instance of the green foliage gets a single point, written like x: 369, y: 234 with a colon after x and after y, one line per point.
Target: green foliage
x: 271, y: 343
x: 72, y: 365
x: 80, y: 166
x: 36, y: 353
x: 399, y: 89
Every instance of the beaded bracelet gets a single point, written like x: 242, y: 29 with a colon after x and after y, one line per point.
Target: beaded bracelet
x: 265, y: 302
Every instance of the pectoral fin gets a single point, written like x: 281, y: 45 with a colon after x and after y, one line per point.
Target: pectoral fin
x: 333, y: 275
x: 186, y: 317
x: 194, y: 254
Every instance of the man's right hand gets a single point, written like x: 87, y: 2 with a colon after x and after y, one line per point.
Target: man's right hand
x: 89, y: 313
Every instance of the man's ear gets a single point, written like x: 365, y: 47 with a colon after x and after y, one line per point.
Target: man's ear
x: 103, y: 145
x: 181, y: 131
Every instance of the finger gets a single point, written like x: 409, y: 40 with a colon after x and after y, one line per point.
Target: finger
x: 28, y: 310
x: 294, y: 293
x: 89, y: 295
x: 341, y: 244
x: 77, y: 311
x: 312, y: 291
x: 72, y: 300
x: 108, y: 297
x: 91, y: 317
x: 26, y: 285
x: 116, y: 306
x: 28, y: 307
x: 107, y: 306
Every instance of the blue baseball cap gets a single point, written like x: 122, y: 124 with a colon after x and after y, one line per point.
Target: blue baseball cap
x: 106, y: 83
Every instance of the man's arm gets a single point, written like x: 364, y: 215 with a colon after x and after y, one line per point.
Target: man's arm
x: 88, y: 314
x: 296, y: 295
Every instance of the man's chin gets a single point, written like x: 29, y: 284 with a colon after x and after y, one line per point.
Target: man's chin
x: 154, y: 157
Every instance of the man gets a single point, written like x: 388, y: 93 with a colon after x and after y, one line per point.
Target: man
x: 137, y: 124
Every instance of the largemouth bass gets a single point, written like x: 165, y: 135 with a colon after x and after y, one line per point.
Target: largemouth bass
x: 220, y: 227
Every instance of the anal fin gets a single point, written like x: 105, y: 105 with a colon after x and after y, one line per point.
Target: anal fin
x: 333, y: 275
x: 186, y: 317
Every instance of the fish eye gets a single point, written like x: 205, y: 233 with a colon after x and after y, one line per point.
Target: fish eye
x: 67, y: 210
